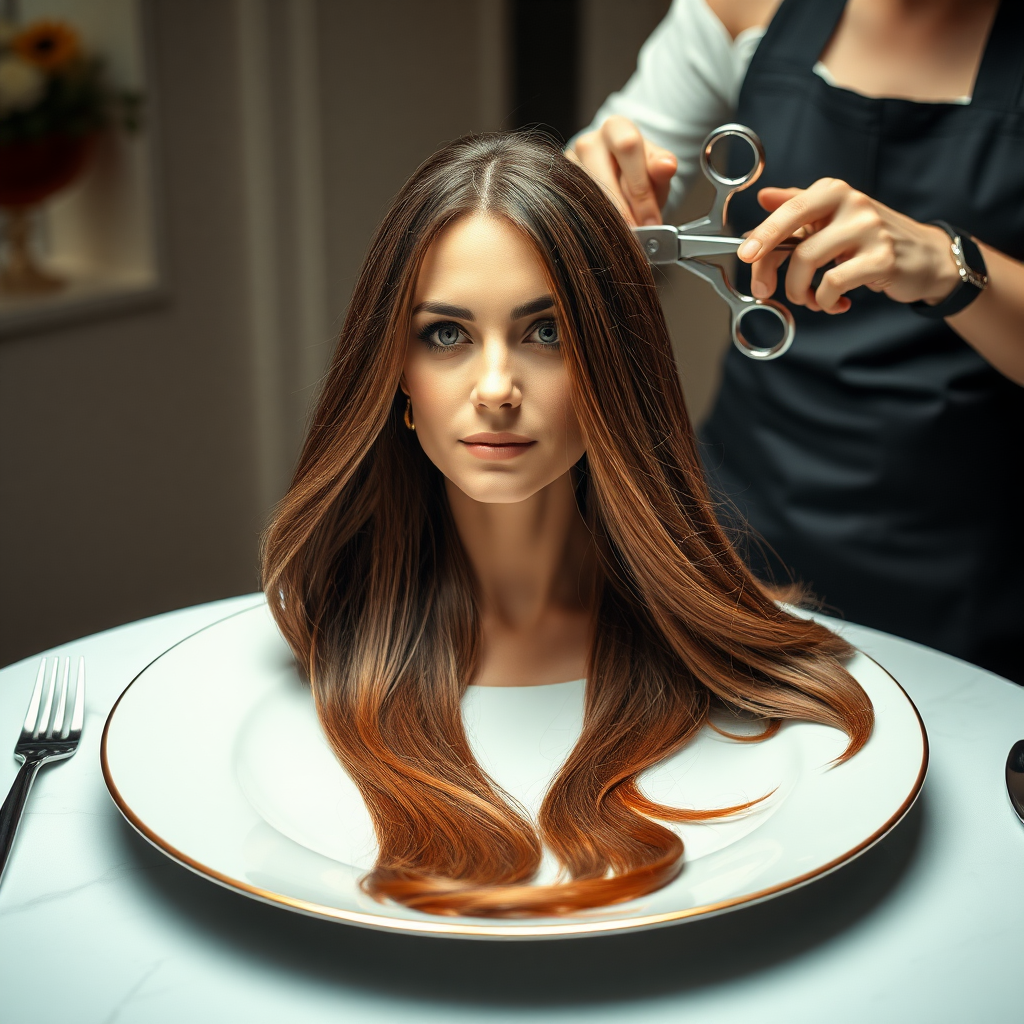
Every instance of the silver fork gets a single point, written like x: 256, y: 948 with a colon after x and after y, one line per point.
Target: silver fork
x: 47, y: 735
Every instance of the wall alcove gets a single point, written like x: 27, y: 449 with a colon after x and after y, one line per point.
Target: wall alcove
x: 102, y: 233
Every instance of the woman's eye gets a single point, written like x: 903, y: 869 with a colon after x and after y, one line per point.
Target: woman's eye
x: 442, y: 335
x: 545, y: 333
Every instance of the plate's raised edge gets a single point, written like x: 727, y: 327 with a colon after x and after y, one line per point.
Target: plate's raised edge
x: 446, y: 929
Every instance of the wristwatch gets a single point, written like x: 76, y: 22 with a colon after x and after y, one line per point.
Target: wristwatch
x: 973, y: 275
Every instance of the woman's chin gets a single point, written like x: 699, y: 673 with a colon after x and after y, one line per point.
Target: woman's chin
x: 497, y: 488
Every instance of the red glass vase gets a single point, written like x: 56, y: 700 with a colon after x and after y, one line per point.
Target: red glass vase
x: 31, y: 171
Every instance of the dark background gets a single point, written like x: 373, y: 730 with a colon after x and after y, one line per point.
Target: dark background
x: 545, y: 66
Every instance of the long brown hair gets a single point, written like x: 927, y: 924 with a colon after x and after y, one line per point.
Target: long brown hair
x: 369, y: 583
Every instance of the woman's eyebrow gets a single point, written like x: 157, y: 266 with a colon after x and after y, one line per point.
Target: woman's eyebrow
x: 531, y: 307
x: 445, y: 310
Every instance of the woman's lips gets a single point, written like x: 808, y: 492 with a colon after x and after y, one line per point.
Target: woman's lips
x: 497, y: 446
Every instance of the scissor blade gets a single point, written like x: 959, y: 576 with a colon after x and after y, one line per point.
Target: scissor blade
x: 664, y: 243
x: 698, y: 246
x: 692, y: 247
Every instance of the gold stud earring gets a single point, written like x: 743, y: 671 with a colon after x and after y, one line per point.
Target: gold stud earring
x: 407, y: 417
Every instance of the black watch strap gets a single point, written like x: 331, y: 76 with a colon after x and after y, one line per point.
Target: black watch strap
x: 973, y: 275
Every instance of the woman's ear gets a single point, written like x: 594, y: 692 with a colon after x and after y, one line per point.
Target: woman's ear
x: 403, y: 385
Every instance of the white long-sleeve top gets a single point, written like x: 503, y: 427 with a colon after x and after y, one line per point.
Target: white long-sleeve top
x: 687, y: 82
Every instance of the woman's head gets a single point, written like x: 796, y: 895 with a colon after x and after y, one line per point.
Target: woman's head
x: 376, y: 596
x: 491, y: 226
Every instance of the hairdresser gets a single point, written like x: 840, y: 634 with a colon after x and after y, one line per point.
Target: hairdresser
x: 881, y: 459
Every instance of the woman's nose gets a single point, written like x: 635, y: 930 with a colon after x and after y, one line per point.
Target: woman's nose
x: 495, y: 387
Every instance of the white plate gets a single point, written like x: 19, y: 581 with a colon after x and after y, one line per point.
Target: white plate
x: 214, y: 753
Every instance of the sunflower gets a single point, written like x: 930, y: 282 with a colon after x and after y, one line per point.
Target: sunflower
x: 47, y: 44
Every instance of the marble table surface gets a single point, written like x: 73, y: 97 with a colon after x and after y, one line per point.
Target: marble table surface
x: 97, y: 927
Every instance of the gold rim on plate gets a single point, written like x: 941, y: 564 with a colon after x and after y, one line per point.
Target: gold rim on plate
x: 497, y: 931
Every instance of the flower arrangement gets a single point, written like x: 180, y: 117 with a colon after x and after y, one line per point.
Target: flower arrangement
x: 54, y: 100
x: 50, y: 86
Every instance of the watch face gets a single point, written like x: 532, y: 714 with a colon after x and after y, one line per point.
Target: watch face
x: 969, y: 262
x: 970, y: 265
x: 967, y: 272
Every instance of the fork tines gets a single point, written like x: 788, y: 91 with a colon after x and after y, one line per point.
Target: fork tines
x: 46, y: 722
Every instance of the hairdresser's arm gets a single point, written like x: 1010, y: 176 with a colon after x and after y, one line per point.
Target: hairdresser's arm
x: 644, y: 142
x: 886, y: 251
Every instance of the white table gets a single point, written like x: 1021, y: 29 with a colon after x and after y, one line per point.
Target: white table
x: 96, y: 926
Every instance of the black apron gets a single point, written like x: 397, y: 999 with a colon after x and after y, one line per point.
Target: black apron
x: 881, y: 459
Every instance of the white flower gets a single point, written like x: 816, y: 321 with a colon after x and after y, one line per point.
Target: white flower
x: 21, y: 84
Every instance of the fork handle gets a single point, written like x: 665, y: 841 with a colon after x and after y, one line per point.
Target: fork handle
x: 10, y: 813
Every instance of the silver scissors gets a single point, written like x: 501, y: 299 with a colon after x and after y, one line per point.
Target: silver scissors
x: 689, y: 244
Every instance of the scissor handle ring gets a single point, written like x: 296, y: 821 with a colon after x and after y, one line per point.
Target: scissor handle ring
x: 749, y: 136
x: 777, y: 310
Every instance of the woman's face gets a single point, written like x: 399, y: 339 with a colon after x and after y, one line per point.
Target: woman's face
x: 489, y: 391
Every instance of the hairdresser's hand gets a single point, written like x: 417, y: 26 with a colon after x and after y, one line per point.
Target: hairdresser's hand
x: 868, y: 243
x: 634, y: 172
